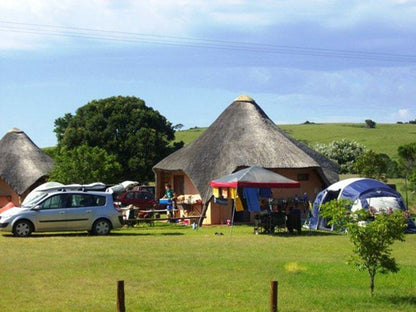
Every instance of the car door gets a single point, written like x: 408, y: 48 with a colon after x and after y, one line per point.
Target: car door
x: 80, y: 212
x: 51, y: 213
x: 145, y: 200
x: 129, y: 199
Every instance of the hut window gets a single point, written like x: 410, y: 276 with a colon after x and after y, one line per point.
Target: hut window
x: 303, y: 177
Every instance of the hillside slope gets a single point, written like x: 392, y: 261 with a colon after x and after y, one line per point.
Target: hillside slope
x: 385, y: 138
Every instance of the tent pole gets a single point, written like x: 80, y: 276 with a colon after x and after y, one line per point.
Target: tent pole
x: 233, y: 212
x: 203, y: 212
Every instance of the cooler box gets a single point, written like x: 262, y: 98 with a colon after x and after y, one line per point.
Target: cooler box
x: 165, y: 201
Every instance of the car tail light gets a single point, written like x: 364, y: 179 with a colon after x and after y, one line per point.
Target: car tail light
x: 116, y: 207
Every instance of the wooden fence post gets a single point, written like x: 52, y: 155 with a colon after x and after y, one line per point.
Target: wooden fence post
x: 273, y: 296
x: 120, y: 297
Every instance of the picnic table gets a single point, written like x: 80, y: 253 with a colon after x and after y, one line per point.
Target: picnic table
x: 152, y: 215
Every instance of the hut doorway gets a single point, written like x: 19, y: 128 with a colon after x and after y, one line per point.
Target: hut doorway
x: 179, y: 184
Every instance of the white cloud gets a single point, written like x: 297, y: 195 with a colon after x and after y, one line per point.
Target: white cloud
x: 403, y: 113
x: 189, y: 17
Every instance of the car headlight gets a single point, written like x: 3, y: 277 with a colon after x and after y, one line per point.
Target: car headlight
x: 4, y: 217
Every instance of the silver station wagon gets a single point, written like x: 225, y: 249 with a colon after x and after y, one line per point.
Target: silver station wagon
x: 63, y: 210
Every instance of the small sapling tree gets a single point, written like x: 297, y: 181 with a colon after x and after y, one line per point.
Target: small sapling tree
x: 372, y: 234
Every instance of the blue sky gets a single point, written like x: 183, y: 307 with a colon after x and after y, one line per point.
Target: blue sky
x: 322, y: 61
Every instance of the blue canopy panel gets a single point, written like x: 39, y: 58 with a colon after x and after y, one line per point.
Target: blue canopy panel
x: 356, y: 188
x: 314, y: 220
x: 374, y: 193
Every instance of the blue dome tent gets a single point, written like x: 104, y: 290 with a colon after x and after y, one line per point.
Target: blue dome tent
x: 363, y: 193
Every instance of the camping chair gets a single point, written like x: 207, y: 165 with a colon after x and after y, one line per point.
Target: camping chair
x: 279, y: 221
x: 263, y: 224
x: 294, y: 221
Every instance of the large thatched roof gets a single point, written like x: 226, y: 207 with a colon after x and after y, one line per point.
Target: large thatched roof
x: 22, y: 163
x: 243, y: 135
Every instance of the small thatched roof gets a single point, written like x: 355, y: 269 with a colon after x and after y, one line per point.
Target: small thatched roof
x: 22, y: 163
x: 243, y: 135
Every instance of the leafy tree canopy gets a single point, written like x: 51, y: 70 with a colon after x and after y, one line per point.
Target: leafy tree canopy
x: 407, y: 154
x: 344, y: 152
x: 84, y: 164
x: 136, y: 135
x: 376, y: 166
x: 370, y: 123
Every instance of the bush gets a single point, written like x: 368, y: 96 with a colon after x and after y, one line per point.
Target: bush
x: 343, y: 152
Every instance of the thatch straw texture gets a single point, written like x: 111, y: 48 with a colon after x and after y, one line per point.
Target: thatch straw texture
x: 22, y: 163
x: 243, y: 135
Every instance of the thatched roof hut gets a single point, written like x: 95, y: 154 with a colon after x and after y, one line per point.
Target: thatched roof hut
x: 243, y: 135
x: 23, y: 165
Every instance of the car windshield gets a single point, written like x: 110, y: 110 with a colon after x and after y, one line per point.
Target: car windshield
x: 34, y: 200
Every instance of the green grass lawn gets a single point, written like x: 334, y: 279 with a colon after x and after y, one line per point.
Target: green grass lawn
x: 173, y: 268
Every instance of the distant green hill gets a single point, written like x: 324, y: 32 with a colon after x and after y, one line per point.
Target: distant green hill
x: 385, y: 138
x: 188, y: 136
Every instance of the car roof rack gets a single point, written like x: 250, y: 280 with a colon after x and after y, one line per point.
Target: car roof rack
x: 96, y: 186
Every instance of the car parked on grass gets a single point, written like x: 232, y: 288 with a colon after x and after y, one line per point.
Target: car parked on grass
x: 63, y: 210
x: 142, y: 199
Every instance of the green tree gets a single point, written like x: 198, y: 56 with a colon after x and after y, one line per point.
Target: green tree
x: 407, y: 154
x: 84, y: 164
x: 407, y: 160
x: 370, y: 123
x: 372, y: 234
x: 372, y: 165
x: 393, y: 168
x: 344, y: 152
x: 178, y: 127
x: 136, y: 135
x: 61, y: 124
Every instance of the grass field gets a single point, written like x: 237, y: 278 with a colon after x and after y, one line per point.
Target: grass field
x: 173, y: 268
x: 385, y: 138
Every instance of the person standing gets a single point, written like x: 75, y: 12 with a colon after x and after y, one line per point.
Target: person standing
x: 170, y: 194
x: 305, y: 200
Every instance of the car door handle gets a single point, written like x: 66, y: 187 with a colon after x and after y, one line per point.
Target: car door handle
x: 88, y: 211
x: 62, y: 212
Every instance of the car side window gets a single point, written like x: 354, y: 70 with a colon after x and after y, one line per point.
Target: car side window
x: 57, y: 202
x: 148, y: 196
x: 100, y: 200
x: 87, y: 200
x: 130, y: 195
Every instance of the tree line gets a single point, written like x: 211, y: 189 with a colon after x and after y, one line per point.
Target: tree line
x: 354, y: 158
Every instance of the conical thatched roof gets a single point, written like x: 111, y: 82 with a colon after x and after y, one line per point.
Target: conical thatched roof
x: 22, y: 163
x: 243, y: 135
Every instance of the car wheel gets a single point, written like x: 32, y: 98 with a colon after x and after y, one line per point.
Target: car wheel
x: 101, y: 227
x: 22, y: 228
